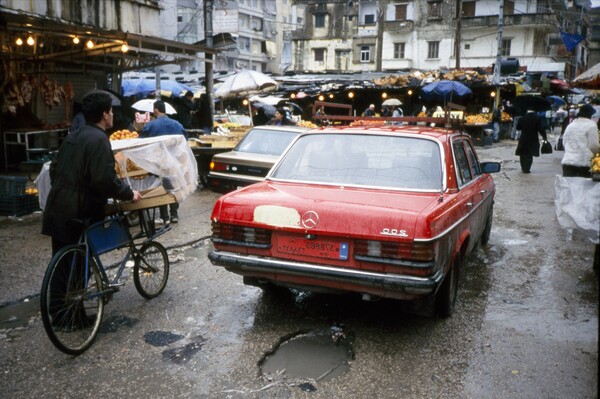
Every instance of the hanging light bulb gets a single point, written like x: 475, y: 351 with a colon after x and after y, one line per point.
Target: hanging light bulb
x: 76, y: 40
x: 30, y: 40
x: 124, y: 47
x: 19, y: 41
x: 89, y: 44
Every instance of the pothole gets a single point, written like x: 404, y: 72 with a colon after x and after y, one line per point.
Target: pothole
x: 315, y: 355
x: 18, y: 315
x: 161, y: 338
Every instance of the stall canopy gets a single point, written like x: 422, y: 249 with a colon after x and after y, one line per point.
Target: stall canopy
x: 112, y: 51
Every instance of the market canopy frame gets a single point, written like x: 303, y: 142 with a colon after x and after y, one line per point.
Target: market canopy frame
x: 143, y: 52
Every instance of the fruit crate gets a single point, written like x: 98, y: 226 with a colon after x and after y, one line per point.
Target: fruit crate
x: 19, y: 205
x: 11, y: 186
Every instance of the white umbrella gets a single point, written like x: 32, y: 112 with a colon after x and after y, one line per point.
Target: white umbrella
x: 243, y: 83
x: 147, y: 105
x: 394, y: 102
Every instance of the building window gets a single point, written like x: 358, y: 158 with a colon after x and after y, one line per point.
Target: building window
x: 509, y: 7
x: 365, y: 53
x: 433, y: 50
x: 543, y: 7
x: 434, y: 9
x: 467, y: 46
x: 369, y: 19
x: 319, y: 20
x: 468, y: 8
x: 506, y: 47
x: 401, y: 12
x: 399, y: 50
x: 319, y: 54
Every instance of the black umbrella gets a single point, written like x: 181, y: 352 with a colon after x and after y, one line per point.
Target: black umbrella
x: 533, y: 103
x: 268, y: 109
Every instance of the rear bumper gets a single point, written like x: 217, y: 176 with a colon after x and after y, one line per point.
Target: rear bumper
x: 224, y: 183
x: 246, y: 265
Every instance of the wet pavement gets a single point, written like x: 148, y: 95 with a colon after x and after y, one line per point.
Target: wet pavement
x: 526, y: 323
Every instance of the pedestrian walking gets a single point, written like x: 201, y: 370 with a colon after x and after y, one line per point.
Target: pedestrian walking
x: 528, y: 146
x: 204, y: 115
x: 581, y: 143
x: 281, y: 118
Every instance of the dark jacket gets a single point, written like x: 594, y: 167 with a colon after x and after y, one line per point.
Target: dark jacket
x: 83, y: 177
x: 162, y: 126
x: 284, y: 122
x: 530, y: 126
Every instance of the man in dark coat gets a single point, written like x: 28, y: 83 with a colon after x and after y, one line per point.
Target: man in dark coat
x: 528, y: 147
x: 83, y: 176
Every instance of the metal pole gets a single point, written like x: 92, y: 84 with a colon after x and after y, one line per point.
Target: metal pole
x: 499, y: 52
x: 208, y: 66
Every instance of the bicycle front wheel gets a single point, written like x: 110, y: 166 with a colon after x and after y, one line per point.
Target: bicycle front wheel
x: 151, y: 270
x: 71, y: 301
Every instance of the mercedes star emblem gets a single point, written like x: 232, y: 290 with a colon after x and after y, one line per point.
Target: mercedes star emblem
x: 310, y: 219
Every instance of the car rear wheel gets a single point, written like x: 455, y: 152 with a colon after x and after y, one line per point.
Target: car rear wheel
x: 445, y: 299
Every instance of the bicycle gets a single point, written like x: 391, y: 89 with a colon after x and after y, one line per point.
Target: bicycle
x: 76, y: 287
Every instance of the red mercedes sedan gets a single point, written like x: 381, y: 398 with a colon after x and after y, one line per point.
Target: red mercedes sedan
x: 379, y: 211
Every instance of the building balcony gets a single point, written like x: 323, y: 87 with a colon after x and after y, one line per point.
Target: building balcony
x: 508, y: 20
x: 398, y: 26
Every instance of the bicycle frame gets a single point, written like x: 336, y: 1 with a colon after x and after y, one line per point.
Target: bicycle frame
x: 111, y: 234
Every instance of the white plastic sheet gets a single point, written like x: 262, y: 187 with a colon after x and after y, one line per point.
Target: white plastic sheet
x: 577, y: 202
x: 169, y: 157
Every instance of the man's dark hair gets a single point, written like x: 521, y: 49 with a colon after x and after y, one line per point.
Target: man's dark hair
x: 160, y: 106
x: 94, y: 104
x: 282, y: 112
x: 188, y: 94
x: 586, y: 111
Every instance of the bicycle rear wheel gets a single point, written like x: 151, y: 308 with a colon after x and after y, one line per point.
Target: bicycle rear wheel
x: 71, y: 301
x: 151, y: 270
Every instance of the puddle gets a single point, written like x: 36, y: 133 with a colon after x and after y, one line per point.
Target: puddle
x: 161, y: 338
x: 113, y: 323
x: 316, y: 355
x: 19, y: 315
x: 183, y: 354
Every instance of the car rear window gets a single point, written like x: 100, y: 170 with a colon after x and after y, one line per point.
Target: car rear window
x: 363, y: 160
x: 271, y: 142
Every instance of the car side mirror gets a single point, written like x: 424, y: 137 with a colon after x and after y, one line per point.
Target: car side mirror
x: 490, y: 167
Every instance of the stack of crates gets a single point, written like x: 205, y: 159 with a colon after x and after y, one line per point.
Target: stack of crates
x: 14, y: 199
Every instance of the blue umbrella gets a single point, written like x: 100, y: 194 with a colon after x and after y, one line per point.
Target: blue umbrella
x: 556, y: 101
x: 444, y: 90
x: 144, y: 87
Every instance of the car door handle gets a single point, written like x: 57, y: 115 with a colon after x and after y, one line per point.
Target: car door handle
x: 469, y: 204
x: 483, y: 192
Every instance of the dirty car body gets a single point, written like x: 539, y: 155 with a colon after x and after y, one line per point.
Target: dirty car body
x: 379, y: 211
x: 251, y: 159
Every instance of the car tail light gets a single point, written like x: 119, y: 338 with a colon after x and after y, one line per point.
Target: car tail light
x: 218, y: 166
x: 394, y: 250
x: 240, y: 235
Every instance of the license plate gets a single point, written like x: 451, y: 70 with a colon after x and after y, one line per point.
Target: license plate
x: 315, y: 248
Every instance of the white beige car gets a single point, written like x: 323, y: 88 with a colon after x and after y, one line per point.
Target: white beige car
x: 252, y: 158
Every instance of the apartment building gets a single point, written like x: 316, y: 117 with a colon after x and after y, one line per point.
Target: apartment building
x: 402, y: 35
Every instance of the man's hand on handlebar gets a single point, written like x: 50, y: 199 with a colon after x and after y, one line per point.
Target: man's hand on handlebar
x: 136, y: 196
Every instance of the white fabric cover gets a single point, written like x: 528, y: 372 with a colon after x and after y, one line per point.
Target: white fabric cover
x: 577, y: 202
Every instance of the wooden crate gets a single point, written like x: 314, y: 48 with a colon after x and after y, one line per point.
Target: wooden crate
x: 151, y: 198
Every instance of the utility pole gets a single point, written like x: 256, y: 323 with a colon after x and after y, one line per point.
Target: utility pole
x: 457, y: 33
x: 208, y: 65
x: 497, y: 67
